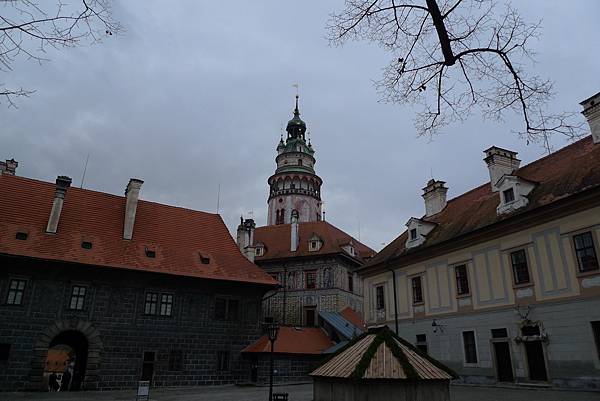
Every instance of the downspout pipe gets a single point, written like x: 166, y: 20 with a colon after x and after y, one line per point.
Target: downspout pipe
x: 395, y: 295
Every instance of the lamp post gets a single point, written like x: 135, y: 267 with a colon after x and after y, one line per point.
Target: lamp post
x: 272, y: 331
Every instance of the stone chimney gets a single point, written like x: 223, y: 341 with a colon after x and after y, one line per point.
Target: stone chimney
x: 245, y: 238
x: 500, y: 162
x: 62, y: 184
x: 132, y: 193
x: 591, y: 111
x: 434, y: 195
x: 294, y: 231
x: 8, y: 167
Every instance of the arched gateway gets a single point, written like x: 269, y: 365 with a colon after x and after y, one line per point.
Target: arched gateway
x: 85, y: 342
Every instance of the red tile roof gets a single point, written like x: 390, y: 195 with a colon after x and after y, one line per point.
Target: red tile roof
x: 293, y: 340
x: 177, y: 235
x: 353, y: 317
x: 276, y: 240
x: 569, y: 171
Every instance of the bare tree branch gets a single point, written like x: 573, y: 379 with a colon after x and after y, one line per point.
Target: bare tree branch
x: 28, y: 28
x: 472, y: 54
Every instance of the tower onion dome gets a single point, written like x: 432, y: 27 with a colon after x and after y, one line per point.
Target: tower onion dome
x: 296, y: 127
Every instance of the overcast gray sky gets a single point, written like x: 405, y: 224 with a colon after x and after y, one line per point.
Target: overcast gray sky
x: 195, y: 93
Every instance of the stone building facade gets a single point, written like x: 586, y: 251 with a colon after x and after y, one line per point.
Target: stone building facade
x: 161, y: 306
x: 502, y: 283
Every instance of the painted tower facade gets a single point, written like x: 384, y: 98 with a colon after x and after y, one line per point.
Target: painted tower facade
x: 295, y: 186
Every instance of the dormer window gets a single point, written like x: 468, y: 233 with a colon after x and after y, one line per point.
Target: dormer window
x: 314, y: 243
x: 513, y: 193
x: 260, y: 251
x: 204, y: 259
x: 417, y: 231
x: 509, y: 195
x: 150, y: 253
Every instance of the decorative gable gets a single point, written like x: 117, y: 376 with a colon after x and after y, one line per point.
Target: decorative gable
x: 349, y: 248
x: 513, y: 192
x: 314, y: 243
x: 417, y: 231
x: 259, y: 249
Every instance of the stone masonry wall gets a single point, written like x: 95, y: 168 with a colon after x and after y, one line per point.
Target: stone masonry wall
x: 118, y: 331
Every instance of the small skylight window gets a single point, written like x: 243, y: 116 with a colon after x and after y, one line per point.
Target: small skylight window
x: 150, y: 253
x: 204, y: 259
x: 86, y: 245
x: 21, y: 236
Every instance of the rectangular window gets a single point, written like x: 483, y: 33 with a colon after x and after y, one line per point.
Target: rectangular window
x: 311, y: 279
x: 413, y: 234
x: 16, y: 289
x: 77, y: 297
x: 176, y: 360
x: 596, y: 331
x: 462, y: 280
x: 509, y: 195
x: 233, y: 307
x: 518, y: 260
x: 166, y: 304
x: 586, y: 254
x: 227, y: 309
x: 222, y: 360
x: 4, y: 352
x: 379, y: 298
x: 220, y: 309
x: 151, y: 306
x: 417, y: 290
x: 421, y: 343
x: 470, y: 346
x: 350, y: 282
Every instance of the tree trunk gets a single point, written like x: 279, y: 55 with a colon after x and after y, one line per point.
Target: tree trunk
x: 440, y: 27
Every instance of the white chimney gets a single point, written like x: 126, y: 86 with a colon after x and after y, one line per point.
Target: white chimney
x: 591, y: 111
x: 132, y: 193
x: 8, y: 167
x: 294, y: 232
x: 500, y: 162
x: 245, y: 238
x: 62, y: 184
x: 434, y: 195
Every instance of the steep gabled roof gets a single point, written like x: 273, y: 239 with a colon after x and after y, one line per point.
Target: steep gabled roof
x: 569, y: 171
x: 293, y: 340
x: 177, y: 235
x: 380, y: 354
x: 276, y: 240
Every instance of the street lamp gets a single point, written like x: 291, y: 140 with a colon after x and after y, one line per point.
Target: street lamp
x: 272, y: 331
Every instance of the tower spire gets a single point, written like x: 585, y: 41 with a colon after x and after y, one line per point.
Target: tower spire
x: 296, y: 111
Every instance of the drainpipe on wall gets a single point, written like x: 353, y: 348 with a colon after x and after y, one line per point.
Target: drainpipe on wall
x: 395, y: 297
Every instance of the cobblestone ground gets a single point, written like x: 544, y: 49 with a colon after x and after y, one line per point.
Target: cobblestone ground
x: 298, y: 393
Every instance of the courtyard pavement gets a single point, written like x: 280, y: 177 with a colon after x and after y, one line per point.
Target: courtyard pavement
x: 299, y: 393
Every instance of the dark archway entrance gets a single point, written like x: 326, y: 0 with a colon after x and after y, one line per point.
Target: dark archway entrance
x: 75, y: 331
x: 76, y: 345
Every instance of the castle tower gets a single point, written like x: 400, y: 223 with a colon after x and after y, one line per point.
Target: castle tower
x: 295, y: 185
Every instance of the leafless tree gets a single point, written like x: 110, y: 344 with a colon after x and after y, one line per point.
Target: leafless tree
x: 28, y: 28
x: 452, y: 57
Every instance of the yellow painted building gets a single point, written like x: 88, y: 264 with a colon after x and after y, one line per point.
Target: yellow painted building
x: 502, y: 283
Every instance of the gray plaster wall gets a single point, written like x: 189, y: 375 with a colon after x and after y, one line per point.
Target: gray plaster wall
x: 570, y: 352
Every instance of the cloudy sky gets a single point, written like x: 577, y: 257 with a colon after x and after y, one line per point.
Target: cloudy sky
x: 195, y: 94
